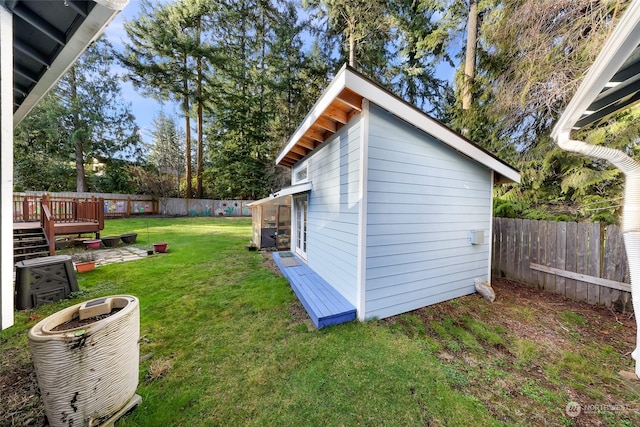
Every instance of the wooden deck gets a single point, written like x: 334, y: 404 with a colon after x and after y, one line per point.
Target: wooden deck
x: 61, y: 228
x: 323, y: 303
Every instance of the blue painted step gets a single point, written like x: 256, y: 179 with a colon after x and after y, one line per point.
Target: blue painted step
x: 323, y: 303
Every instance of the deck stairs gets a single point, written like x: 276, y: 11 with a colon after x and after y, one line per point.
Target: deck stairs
x: 29, y: 243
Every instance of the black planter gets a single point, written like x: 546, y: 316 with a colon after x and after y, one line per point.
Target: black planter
x: 129, y: 238
x: 111, y: 241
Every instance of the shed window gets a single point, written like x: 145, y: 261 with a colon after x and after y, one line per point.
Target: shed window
x: 301, y: 174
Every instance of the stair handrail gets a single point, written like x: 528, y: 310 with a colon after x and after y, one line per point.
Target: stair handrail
x: 48, y: 224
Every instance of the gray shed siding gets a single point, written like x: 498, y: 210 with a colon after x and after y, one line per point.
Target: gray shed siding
x: 423, y: 198
x: 332, y: 236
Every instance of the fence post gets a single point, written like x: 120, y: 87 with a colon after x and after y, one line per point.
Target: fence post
x: 99, y: 207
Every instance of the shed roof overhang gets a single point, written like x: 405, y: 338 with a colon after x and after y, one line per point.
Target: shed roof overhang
x: 612, y: 83
x: 287, y: 191
x: 342, y: 100
x: 48, y: 37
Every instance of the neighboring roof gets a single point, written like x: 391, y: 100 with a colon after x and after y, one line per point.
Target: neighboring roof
x: 613, y: 81
x: 342, y: 100
x: 48, y: 37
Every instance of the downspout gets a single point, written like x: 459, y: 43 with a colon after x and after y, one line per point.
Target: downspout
x: 630, y: 214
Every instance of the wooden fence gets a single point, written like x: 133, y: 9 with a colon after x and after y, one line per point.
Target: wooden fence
x: 26, y: 206
x: 582, y: 261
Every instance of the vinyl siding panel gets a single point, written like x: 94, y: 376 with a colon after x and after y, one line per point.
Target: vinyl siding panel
x: 423, y: 199
x: 332, y: 237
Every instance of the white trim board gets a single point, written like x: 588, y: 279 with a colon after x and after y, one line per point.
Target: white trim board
x: 294, y: 189
x: 361, y: 274
x: 6, y: 172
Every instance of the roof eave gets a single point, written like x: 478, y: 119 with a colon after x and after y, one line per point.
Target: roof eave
x: 92, y: 27
x: 330, y: 93
x: 624, y: 39
x: 351, y: 82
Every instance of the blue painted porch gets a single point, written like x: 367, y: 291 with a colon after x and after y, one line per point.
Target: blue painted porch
x: 323, y: 303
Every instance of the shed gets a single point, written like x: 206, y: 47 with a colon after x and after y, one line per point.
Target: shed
x: 271, y: 222
x: 391, y: 209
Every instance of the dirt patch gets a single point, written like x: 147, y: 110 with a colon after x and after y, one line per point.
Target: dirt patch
x: 529, y: 353
x: 267, y: 261
x: 599, y: 324
x: 20, y: 403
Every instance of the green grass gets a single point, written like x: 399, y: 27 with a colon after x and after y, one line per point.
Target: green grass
x: 231, y: 346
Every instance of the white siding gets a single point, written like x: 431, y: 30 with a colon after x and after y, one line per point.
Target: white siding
x: 423, y: 199
x: 332, y: 237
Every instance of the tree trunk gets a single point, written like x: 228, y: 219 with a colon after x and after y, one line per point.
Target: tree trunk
x: 80, y: 182
x: 470, y: 56
x: 187, y: 124
x: 200, y: 150
x: 78, y: 142
x: 352, y: 45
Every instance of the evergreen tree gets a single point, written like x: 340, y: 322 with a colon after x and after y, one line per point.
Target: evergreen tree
x: 167, y: 152
x: 82, y: 118
x: 167, y: 59
x: 240, y: 144
x: 419, y: 46
x: 362, y: 31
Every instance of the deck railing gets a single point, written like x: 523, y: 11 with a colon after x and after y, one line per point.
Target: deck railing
x: 48, y: 225
x: 29, y: 208
x: 26, y: 208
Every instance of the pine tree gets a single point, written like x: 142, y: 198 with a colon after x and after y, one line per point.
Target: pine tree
x: 362, y: 30
x: 166, y: 59
x: 418, y: 48
x: 83, y: 117
x: 167, y: 152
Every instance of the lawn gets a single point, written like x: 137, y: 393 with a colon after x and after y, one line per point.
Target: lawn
x: 230, y: 345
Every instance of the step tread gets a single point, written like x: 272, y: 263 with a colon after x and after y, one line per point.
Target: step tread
x: 32, y: 240
x: 23, y: 257
x: 22, y: 248
x: 26, y: 235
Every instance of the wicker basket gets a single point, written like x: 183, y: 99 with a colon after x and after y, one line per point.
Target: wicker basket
x: 87, y: 373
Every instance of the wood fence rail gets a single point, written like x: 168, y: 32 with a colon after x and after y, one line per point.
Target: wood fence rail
x: 26, y: 207
x: 582, y: 261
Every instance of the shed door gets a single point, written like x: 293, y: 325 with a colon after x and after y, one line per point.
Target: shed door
x: 301, y: 225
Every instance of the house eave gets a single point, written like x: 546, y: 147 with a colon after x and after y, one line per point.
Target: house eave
x: 91, y: 28
x: 612, y: 82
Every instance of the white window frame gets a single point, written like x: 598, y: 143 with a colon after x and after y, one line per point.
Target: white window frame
x: 300, y: 251
x: 302, y: 167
